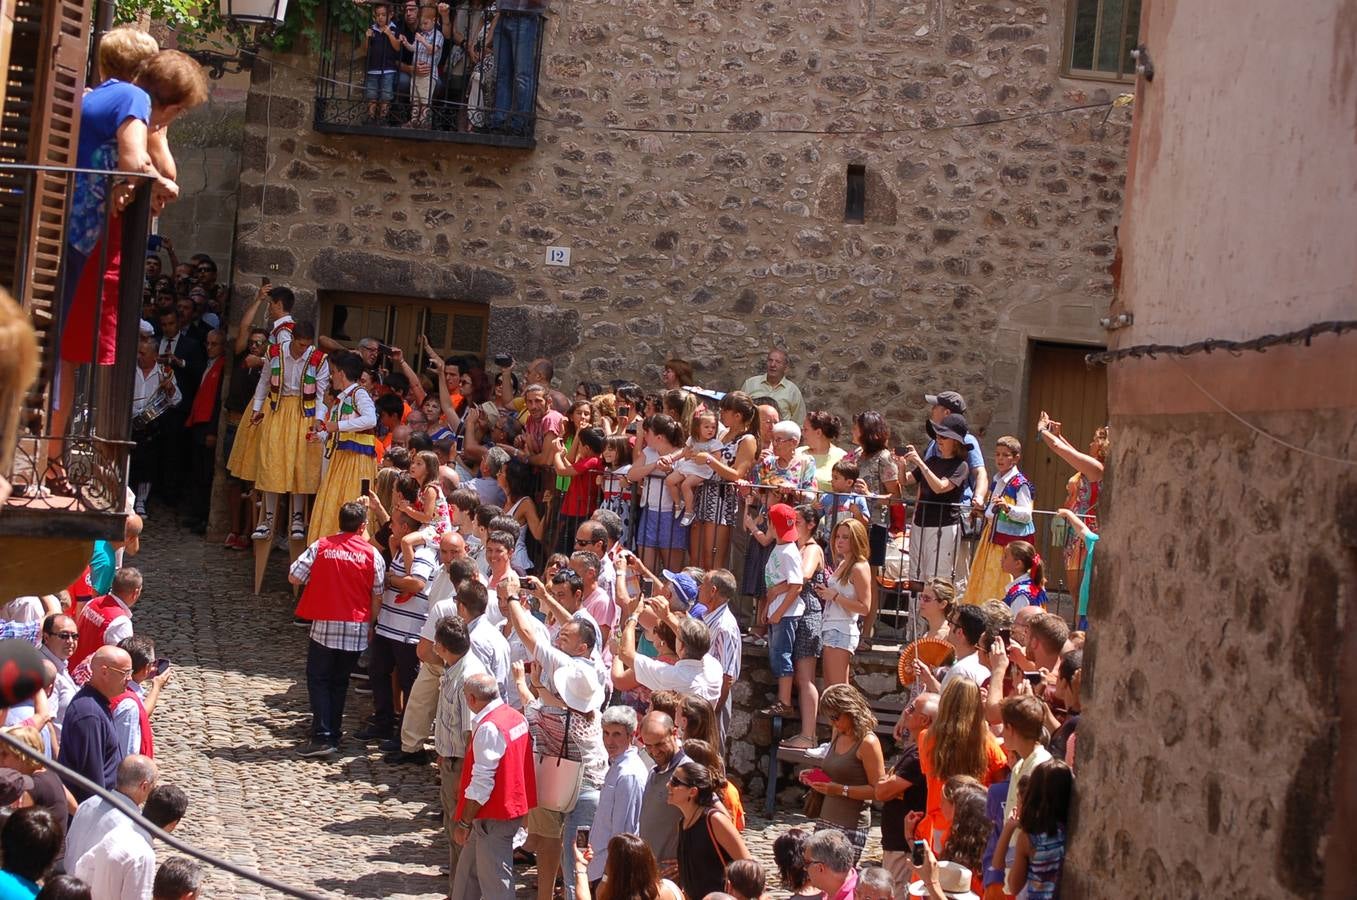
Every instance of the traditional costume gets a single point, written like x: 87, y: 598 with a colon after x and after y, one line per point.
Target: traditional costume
x: 289, y: 463
x: 1004, y: 524
x: 244, y: 460
x: 350, y: 458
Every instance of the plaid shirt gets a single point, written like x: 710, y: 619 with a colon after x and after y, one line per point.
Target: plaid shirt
x: 334, y: 634
x: 23, y: 631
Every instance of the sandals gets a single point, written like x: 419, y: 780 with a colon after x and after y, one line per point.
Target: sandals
x: 800, y: 742
x: 779, y: 710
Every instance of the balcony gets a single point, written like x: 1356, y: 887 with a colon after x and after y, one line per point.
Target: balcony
x: 70, y: 480
x: 454, y: 102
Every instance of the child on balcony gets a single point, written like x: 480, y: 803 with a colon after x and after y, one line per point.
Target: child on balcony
x: 683, y: 481
x: 381, y: 44
x: 427, y: 48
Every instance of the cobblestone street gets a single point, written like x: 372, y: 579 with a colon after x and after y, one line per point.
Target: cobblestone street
x: 228, y: 725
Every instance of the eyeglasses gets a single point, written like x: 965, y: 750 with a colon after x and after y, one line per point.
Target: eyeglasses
x: 584, y: 542
x: 126, y: 673
x: 66, y: 635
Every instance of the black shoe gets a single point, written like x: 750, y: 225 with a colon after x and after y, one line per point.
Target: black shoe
x: 372, y: 733
x: 318, y: 749
x: 397, y: 757
x: 389, y: 744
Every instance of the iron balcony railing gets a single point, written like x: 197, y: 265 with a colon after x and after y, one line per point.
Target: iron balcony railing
x: 473, y: 79
x: 71, y: 484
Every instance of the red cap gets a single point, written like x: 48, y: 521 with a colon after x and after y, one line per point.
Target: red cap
x: 783, y: 519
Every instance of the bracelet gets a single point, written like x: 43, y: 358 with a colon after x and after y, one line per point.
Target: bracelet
x: 462, y: 824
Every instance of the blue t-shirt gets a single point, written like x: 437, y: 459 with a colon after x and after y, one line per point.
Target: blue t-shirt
x: 102, y: 113
x: 103, y: 563
x: 974, y: 459
x: 16, y: 887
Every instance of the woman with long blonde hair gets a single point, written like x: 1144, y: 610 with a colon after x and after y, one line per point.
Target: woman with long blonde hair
x: 854, y: 764
x: 957, y: 743
x: 845, y: 597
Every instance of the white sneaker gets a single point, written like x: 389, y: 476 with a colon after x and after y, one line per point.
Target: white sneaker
x: 139, y: 508
x: 264, y: 529
x: 298, y: 528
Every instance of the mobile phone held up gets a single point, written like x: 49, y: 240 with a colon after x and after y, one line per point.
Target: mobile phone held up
x: 916, y: 853
x: 503, y: 360
x: 161, y: 665
x: 364, y: 486
x: 582, y: 838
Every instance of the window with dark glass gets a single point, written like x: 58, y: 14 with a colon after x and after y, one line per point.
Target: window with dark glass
x: 1099, y: 38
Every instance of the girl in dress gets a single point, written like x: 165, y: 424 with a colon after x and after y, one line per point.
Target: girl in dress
x: 689, y: 474
x: 430, y: 510
x: 616, y: 487
x: 1022, y: 563
x: 1008, y: 518
x: 1039, y: 831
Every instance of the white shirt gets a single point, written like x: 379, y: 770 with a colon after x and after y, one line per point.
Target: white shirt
x: 687, y: 676
x: 492, y: 649
x: 364, y: 415
x: 121, y: 626
x: 93, y: 818
x: 144, y: 387
x: 970, y: 667
x: 127, y: 721
x: 24, y: 610
x: 64, y: 688
x: 452, y: 719
x: 488, y: 744
x: 291, y: 379
x: 121, y: 866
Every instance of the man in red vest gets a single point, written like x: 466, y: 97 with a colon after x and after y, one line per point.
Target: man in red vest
x: 343, y: 576
x: 105, y: 620
x: 498, y: 787
x: 132, y: 709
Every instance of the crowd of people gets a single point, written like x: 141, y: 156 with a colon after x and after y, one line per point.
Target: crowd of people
x: 542, y: 587
x: 463, y: 66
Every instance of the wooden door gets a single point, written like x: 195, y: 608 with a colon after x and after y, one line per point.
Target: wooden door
x: 455, y: 329
x: 1074, y: 394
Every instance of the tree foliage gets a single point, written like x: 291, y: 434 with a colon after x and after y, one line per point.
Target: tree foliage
x: 198, y: 20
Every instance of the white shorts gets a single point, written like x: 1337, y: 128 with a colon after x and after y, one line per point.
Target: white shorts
x: 937, y: 553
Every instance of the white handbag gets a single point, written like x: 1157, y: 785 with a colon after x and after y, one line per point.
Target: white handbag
x: 558, y: 778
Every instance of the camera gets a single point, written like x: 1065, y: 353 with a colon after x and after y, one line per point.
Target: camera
x: 503, y: 360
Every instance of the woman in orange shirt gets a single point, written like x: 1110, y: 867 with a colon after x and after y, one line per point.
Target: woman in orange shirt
x: 958, y: 743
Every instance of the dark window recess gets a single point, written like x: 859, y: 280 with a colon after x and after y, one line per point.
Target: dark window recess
x: 1099, y: 38
x: 855, y: 198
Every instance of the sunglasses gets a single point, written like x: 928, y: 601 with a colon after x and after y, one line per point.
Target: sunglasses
x: 66, y: 635
x: 674, y: 782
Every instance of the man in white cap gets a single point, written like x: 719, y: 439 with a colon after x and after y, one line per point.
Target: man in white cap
x: 565, y: 722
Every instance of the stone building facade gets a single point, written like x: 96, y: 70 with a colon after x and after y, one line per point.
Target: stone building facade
x: 982, y: 232
x: 1220, y: 689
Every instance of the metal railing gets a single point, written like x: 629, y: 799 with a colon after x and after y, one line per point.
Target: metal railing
x: 73, y: 483
x: 651, y: 530
x: 474, y: 81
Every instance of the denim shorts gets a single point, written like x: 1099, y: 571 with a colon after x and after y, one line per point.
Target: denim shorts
x: 380, y: 86
x: 841, y: 640
x: 781, y: 637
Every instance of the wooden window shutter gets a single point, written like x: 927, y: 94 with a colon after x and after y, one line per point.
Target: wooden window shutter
x: 39, y: 125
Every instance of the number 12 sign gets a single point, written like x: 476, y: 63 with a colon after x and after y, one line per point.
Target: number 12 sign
x: 558, y: 256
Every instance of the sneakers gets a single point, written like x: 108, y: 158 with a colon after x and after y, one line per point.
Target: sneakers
x: 236, y: 542
x: 298, y: 528
x: 371, y: 733
x: 318, y: 750
x: 264, y: 529
x: 687, y: 519
x: 139, y: 508
x: 678, y: 510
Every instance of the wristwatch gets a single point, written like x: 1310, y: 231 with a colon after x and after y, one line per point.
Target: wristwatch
x: 463, y: 824
x: 844, y: 787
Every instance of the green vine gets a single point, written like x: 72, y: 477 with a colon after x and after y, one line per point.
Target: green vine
x: 198, y: 20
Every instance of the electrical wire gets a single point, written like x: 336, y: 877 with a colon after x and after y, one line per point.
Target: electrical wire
x: 1210, y: 345
x: 125, y: 806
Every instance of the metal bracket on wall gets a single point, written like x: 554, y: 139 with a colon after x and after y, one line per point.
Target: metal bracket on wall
x: 1144, y: 65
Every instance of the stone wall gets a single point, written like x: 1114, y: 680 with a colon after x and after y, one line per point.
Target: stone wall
x: 981, y: 234
x: 206, y: 146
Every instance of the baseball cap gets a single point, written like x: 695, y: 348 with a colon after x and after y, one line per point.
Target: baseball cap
x: 13, y: 783
x: 783, y: 519
x: 952, y: 426
x: 950, y: 399
x: 685, y: 588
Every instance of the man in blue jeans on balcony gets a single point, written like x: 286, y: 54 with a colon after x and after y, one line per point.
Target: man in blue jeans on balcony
x: 516, y: 36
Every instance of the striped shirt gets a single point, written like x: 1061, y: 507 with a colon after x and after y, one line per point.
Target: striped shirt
x: 725, y: 639
x: 402, y: 621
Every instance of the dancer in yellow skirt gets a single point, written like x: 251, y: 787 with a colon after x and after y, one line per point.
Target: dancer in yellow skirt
x: 244, y: 460
x: 285, y: 408
x: 351, y: 445
x: 1008, y: 518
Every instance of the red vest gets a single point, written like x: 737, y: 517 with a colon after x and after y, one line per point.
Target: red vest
x: 515, y: 790
x: 147, y: 747
x: 339, y: 588
x: 91, y: 624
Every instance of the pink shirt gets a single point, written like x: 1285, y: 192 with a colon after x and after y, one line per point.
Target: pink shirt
x: 850, y: 885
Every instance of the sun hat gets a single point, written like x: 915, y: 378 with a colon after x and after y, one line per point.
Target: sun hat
x: 953, y: 878
x: 952, y: 426
x: 578, y: 687
x: 13, y: 783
